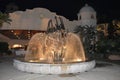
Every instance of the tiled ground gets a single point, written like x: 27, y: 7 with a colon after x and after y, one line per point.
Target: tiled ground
x: 103, y: 71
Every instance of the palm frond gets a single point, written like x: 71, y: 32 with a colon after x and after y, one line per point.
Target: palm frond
x: 4, y: 17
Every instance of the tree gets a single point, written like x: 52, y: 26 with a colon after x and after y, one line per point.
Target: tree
x: 3, y: 47
x: 4, y: 18
x: 88, y: 36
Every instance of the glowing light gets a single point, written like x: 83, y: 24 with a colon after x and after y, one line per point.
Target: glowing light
x: 51, y: 48
x: 79, y: 60
x: 11, y: 30
x: 41, y: 58
x: 16, y: 45
x: 33, y: 60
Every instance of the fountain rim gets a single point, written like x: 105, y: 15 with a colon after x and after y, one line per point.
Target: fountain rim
x: 53, y: 68
x: 74, y: 62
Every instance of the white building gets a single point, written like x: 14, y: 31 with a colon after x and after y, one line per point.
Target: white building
x: 87, y: 16
x: 37, y: 19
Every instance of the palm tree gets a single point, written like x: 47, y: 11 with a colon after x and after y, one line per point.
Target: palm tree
x: 4, y: 18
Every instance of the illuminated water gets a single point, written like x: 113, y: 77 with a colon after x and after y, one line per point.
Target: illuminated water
x: 56, y: 47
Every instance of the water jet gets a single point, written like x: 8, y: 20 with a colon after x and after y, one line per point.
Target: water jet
x: 55, y: 52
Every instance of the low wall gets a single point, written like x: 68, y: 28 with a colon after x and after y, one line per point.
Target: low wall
x: 54, y: 68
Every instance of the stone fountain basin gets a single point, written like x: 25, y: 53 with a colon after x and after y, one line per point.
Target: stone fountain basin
x: 44, y: 68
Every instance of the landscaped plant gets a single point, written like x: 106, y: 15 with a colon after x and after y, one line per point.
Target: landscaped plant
x: 109, y: 44
x: 88, y: 36
x: 106, y: 45
x: 4, y: 17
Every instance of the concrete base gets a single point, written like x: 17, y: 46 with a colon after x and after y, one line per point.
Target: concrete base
x: 54, y: 68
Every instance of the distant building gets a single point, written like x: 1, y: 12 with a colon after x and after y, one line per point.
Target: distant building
x: 87, y: 16
x: 38, y: 18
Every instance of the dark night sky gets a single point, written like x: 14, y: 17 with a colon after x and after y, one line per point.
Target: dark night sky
x: 107, y: 10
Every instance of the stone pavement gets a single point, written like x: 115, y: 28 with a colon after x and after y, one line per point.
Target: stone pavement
x: 103, y: 71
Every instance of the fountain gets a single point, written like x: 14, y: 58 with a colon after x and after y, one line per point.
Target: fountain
x: 55, y: 52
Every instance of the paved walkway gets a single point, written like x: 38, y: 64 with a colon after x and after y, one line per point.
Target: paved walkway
x: 103, y: 71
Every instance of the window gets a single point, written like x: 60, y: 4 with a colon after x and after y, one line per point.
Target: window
x: 92, y: 16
